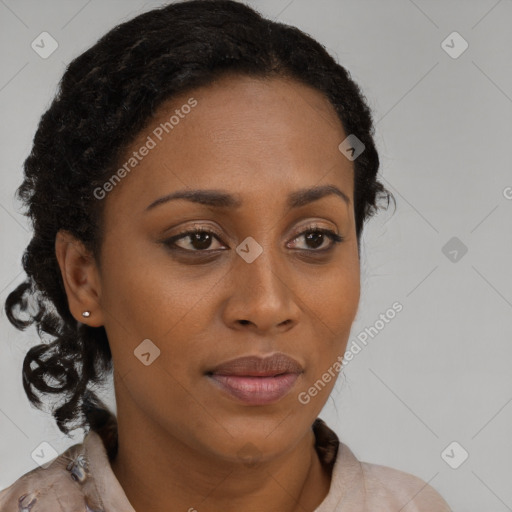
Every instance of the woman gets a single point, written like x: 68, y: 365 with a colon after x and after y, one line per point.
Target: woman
x: 198, y: 190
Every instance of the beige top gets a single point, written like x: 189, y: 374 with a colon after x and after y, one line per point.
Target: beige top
x: 81, y: 478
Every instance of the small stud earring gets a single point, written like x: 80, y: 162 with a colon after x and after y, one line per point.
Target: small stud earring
x: 86, y: 314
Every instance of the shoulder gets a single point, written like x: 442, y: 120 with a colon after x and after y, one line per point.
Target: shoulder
x: 62, y: 484
x: 358, y: 486
x: 409, y: 492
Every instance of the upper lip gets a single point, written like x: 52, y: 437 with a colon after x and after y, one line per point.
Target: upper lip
x: 255, y: 366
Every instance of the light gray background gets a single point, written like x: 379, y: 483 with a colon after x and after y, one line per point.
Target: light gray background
x: 440, y: 371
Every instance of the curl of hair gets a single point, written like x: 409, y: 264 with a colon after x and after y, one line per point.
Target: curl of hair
x: 106, y: 96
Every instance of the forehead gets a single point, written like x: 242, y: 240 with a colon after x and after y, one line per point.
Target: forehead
x: 242, y: 134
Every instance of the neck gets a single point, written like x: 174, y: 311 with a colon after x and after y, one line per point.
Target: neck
x: 159, y: 472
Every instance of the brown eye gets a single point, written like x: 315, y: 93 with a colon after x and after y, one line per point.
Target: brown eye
x: 200, y: 240
x: 316, y: 237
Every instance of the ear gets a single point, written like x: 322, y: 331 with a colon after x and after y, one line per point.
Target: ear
x: 81, y: 278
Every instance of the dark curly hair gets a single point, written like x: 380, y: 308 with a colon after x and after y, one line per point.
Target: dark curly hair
x: 105, y: 98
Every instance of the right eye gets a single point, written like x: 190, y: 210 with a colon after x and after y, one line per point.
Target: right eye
x: 200, y: 240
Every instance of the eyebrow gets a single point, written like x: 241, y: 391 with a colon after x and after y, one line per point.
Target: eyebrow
x: 221, y: 199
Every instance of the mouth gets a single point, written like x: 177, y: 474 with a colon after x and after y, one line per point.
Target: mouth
x: 256, y: 381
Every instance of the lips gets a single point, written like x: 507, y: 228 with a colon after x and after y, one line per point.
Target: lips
x: 255, y: 380
x: 254, y: 366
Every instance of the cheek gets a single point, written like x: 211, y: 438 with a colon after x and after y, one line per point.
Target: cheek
x: 145, y: 304
x: 148, y: 292
x: 333, y: 303
x: 333, y: 298
x: 146, y: 295
x: 333, y: 308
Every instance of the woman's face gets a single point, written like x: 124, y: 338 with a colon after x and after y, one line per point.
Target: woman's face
x: 207, y: 300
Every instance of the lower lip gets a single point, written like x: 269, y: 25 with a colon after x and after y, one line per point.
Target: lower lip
x: 256, y: 390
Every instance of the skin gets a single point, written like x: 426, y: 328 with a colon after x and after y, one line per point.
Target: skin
x: 179, y: 436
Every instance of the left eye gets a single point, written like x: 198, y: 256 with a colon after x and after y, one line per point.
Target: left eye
x: 317, y: 236
x: 201, y: 239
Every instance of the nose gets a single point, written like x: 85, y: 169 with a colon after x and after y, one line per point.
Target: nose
x: 262, y: 298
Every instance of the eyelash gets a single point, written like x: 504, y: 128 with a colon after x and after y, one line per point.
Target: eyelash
x: 170, y: 242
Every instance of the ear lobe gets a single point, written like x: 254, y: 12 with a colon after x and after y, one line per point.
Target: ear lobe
x: 81, y: 279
